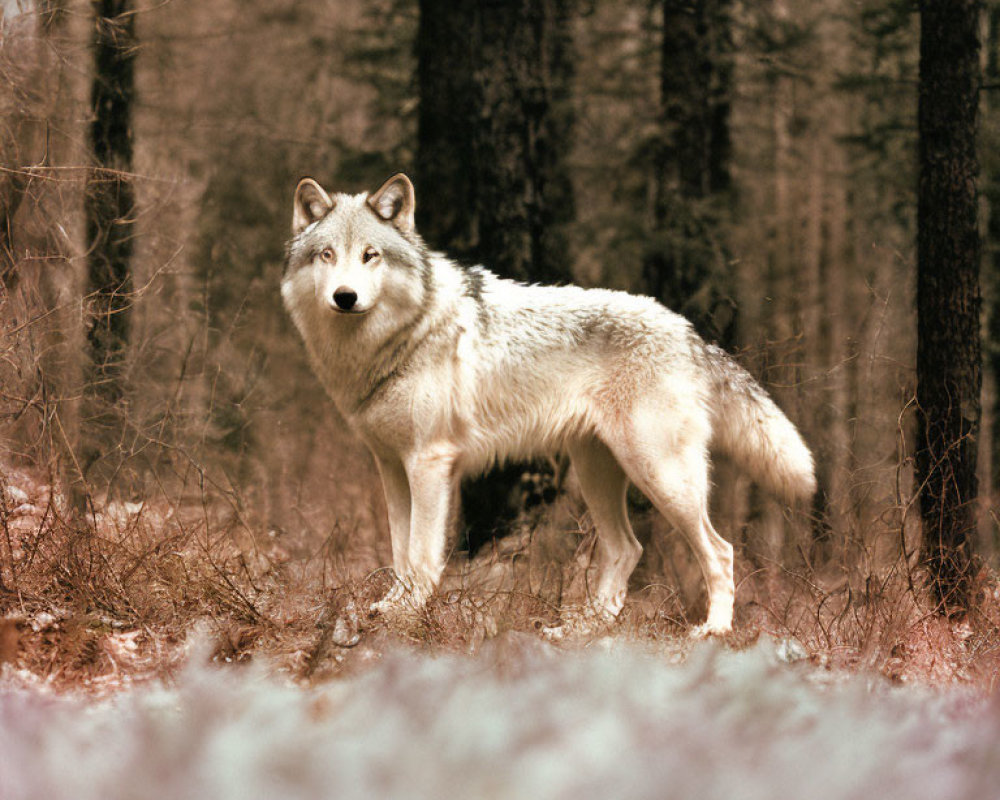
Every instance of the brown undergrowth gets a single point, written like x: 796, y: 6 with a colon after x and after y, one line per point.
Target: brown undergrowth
x: 119, y: 597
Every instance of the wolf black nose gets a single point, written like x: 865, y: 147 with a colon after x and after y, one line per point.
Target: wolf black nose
x: 345, y: 298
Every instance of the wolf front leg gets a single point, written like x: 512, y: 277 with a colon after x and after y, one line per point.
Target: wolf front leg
x: 396, y: 486
x: 433, y: 480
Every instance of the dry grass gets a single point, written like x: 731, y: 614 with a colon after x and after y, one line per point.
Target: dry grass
x: 114, y: 599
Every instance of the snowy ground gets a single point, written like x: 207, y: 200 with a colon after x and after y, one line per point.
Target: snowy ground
x: 521, y: 720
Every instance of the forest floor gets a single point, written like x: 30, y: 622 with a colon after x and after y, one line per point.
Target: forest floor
x: 264, y: 649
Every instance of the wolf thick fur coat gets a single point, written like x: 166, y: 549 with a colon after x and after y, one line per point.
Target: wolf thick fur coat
x: 444, y: 370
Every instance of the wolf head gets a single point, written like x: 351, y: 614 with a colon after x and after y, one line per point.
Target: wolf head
x: 352, y: 255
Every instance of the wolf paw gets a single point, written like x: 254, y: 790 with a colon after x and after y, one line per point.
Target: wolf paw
x: 707, y: 629
x: 403, y: 599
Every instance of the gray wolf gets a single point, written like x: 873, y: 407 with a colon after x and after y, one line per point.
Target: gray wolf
x: 444, y: 370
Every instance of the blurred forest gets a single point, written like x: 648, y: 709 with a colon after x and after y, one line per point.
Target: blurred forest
x: 752, y: 164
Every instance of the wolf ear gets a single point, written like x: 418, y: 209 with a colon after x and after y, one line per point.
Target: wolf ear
x: 311, y: 204
x: 394, y: 202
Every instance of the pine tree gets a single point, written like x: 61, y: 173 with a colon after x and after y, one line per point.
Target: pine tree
x: 948, y: 299
x: 494, y: 133
x: 110, y: 195
x: 691, y: 165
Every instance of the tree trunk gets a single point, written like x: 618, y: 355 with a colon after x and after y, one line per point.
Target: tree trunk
x: 110, y: 196
x: 41, y: 227
x: 948, y: 300
x: 13, y: 184
x: 493, y: 133
x: 695, y: 76
x: 991, y: 190
x: 445, y: 171
x: 521, y: 140
x: 691, y: 164
x: 109, y: 210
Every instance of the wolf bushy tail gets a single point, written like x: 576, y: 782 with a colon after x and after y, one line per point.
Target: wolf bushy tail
x: 752, y: 430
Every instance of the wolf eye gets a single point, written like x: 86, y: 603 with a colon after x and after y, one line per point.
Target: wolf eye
x: 328, y: 255
x: 369, y: 254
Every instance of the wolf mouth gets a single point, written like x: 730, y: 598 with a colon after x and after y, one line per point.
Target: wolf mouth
x: 350, y: 311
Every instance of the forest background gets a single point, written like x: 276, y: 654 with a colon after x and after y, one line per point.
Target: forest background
x: 753, y: 165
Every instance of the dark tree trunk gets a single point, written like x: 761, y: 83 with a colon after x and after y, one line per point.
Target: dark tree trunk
x: 521, y: 85
x: 12, y: 190
x: 991, y: 190
x: 494, y: 135
x: 695, y: 77
x: 948, y: 300
x: 445, y: 170
x: 110, y: 196
x: 691, y: 165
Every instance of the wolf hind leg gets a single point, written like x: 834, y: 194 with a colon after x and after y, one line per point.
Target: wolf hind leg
x: 603, y: 483
x: 677, y: 484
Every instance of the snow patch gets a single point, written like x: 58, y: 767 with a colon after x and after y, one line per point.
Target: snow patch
x: 521, y: 720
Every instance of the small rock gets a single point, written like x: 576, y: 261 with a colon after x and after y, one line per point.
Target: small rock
x: 344, y: 635
x: 42, y: 621
x: 790, y: 651
x: 345, y: 629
